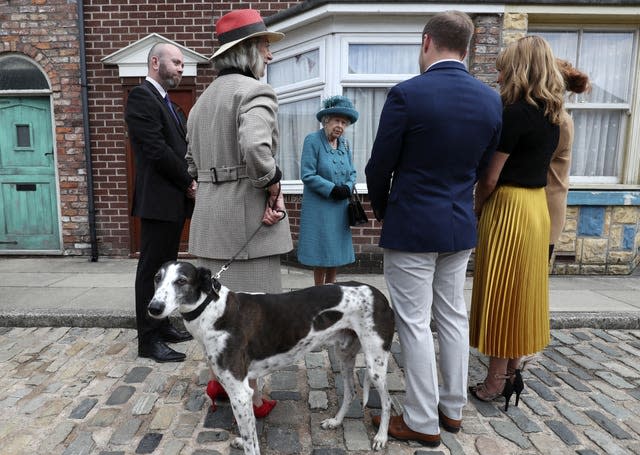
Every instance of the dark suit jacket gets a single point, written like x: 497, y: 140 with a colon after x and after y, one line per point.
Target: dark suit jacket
x: 437, y: 130
x: 160, y: 146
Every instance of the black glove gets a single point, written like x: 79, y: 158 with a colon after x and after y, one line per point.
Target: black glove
x: 340, y: 192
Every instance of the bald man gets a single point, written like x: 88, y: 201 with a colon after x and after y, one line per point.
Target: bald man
x: 163, y: 194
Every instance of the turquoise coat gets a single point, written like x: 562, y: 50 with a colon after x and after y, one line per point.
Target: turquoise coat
x: 325, y: 235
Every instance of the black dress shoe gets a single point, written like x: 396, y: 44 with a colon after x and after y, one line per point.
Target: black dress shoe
x: 160, y: 352
x: 170, y: 334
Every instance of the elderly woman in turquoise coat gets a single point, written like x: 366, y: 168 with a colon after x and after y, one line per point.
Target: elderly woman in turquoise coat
x: 328, y: 175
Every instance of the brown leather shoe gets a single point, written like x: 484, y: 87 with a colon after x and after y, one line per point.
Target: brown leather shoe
x: 450, y: 425
x: 399, y: 430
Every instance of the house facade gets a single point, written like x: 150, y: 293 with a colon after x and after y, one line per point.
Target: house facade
x: 66, y: 67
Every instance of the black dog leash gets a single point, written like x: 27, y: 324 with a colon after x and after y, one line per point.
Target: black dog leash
x: 233, y: 258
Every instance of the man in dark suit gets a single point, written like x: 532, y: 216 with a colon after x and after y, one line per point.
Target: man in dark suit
x: 436, y: 132
x: 163, y: 190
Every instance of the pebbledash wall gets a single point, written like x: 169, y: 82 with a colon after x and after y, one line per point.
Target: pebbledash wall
x: 602, y: 233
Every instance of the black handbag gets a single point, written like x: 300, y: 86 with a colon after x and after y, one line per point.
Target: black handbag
x: 356, y: 213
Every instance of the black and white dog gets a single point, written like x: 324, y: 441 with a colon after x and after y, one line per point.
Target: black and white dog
x: 246, y: 335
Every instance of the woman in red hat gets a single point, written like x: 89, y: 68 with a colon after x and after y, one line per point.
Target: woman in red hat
x: 233, y: 140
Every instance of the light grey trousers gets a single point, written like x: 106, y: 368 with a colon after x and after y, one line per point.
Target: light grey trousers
x: 421, y: 284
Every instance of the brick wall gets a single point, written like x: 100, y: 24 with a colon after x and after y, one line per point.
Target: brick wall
x: 110, y: 26
x: 47, y: 32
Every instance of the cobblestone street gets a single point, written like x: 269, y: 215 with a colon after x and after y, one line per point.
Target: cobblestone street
x: 84, y: 391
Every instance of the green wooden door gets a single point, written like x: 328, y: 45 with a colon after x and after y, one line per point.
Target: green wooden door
x: 29, y: 216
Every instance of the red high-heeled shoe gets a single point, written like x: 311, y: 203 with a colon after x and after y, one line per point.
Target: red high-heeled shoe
x: 262, y: 411
x: 215, y: 390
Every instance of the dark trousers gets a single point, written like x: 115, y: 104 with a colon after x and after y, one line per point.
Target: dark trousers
x: 159, y: 243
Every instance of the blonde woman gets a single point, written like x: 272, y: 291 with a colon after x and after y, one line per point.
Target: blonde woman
x: 510, y: 299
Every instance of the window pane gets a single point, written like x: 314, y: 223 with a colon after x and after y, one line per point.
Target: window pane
x: 606, y: 58
x: 297, y: 68
x: 384, y: 58
x: 23, y: 137
x: 368, y: 102
x: 596, y: 148
x: 295, y: 120
x: 19, y: 74
x: 564, y: 44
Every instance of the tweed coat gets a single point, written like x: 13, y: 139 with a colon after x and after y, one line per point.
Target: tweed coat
x: 558, y: 178
x: 234, y: 123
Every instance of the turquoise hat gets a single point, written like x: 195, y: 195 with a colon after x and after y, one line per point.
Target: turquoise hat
x: 338, y: 105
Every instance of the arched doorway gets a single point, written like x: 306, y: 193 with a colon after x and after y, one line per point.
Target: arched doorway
x: 29, y: 219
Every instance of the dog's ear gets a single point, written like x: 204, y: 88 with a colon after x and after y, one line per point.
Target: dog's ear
x: 204, y: 279
x: 207, y: 284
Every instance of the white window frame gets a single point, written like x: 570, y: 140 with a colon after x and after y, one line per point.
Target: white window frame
x: 308, y: 84
x: 630, y: 150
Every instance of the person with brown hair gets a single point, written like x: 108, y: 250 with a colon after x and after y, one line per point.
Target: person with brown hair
x: 437, y: 133
x: 510, y: 297
x: 558, y: 176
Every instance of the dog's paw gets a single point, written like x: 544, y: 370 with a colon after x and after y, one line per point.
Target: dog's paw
x: 237, y: 443
x: 379, y: 442
x: 330, y: 424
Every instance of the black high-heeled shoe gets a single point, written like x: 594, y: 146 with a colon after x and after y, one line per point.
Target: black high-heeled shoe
x: 514, y: 384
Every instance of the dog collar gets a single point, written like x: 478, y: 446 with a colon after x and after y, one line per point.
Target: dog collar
x: 191, y: 315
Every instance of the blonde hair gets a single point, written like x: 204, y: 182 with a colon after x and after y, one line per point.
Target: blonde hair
x: 530, y: 73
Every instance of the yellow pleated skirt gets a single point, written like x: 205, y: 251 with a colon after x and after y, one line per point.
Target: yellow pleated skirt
x: 510, y: 298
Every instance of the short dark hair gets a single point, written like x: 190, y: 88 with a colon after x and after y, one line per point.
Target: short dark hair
x: 450, y: 30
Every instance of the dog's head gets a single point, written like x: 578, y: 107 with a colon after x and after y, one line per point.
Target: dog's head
x: 179, y: 285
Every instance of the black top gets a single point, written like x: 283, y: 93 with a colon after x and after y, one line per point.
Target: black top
x: 530, y: 139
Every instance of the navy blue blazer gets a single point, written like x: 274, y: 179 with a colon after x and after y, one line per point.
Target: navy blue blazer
x: 437, y: 132
x: 160, y: 145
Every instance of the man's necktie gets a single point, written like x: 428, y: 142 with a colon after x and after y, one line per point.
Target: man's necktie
x: 167, y: 100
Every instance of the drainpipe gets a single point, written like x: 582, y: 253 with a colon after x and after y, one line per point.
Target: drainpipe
x: 87, y: 138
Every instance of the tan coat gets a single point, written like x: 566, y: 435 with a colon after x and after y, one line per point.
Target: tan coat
x: 234, y: 123
x: 558, y: 178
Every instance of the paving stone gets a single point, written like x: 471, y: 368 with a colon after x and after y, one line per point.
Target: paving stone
x: 586, y: 362
x: 215, y: 452
x: 614, y: 380
x: 205, y: 437
x: 196, y: 401
x: 176, y: 393
x: 173, y: 447
x: 283, y: 440
x: 549, y: 365
x: 284, y: 380
x: 544, y: 377
x: 542, y: 391
x: 125, y: 432
x: 564, y: 337
x: 145, y: 404
x: 222, y: 418
x: 574, y: 417
x: 451, y: 442
x: 547, y: 444
x: 608, y: 425
x: 121, y: 395
x: 83, y: 444
x: 137, y: 375
x: 149, y: 443
x: 522, y: 420
x: 580, y: 373
x: 576, y: 398
x: 328, y: 451
x: 355, y: 435
x: 318, y: 400
x: 574, y: 382
x: 280, y: 395
x: 557, y: 358
x: 81, y: 411
x: 488, y: 446
x: 603, y: 335
x: 609, y: 406
x: 487, y: 409
x: 104, y: 417
x: 315, y: 360
x: 317, y: 378
x: 186, y: 425
x: 163, y: 418
x: 593, y: 354
x: 587, y: 452
x: 57, y: 436
x: 564, y: 433
x: 622, y: 370
x: 605, y: 442
x: 581, y: 335
x: 509, y: 431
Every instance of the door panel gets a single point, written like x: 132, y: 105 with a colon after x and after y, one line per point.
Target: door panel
x: 29, y: 216
x: 184, y: 97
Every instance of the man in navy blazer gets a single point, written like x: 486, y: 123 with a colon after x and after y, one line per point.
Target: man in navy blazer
x: 164, y: 190
x: 437, y: 131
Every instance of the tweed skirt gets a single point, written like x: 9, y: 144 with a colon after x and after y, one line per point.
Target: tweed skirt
x: 252, y: 275
x: 510, y: 297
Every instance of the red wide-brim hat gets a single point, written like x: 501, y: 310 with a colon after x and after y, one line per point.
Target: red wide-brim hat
x: 239, y: 25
